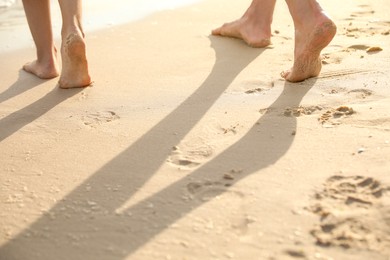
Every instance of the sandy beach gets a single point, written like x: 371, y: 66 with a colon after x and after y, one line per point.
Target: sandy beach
x: 191, y: 146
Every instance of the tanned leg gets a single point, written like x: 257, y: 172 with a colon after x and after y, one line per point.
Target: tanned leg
x: 74, y: 72
x: 39, y: 21
x: 254, y: 27
x: 314, y: 30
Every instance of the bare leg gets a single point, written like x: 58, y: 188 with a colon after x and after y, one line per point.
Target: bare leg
x: 314, y: 30
x: 254, y: 27
x: 39, y: 21
x: 74, y: 72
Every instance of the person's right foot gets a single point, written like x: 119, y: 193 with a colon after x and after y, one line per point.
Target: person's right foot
x: 74, y: 72
x: 309, y: 42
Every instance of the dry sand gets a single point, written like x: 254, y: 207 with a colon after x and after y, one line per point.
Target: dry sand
x: 190, y: 146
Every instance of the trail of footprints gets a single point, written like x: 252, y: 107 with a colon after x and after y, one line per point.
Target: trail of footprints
x: 353, y: 214
x: 363, y: 15
x: 360, y: 24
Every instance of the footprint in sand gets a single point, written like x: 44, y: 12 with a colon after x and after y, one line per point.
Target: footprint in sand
x: 301, y: 111
x: 292, y: 112
x: 337, y: 90
x: 190, y: 158
x: 234, y: 217
x: 353, y: 214
x: 361, y: 93
x: 330, y: 116
x: 256, y: 87
x: 98, y: 118
x: 334, y: 116
x: 207, y: 190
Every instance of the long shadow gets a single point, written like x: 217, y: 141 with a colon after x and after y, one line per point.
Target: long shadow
x: 15, y: 121
x: 266, y: 142
x: 85, y: 225
x: 24, y: 83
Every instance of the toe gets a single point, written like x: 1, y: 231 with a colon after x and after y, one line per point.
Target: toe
x: 216, y: 31
x: 284, y: 74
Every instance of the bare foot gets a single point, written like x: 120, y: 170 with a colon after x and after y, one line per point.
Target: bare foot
x: 309, y: 43
x: 254, y: 34
x: 46, y: 68
x: 74, y: 72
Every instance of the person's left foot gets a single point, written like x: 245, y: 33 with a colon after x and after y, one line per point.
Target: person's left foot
x: 74, y: 72
x: 252, y: 33
x: 45, y: 67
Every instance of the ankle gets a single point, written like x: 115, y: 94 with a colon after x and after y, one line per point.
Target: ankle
x: 73, y: 29
x: 48, y: 58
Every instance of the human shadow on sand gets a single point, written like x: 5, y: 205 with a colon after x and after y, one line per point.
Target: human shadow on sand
x: 25, y: 82
x: 13, y: 122
x: 85, y: 224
